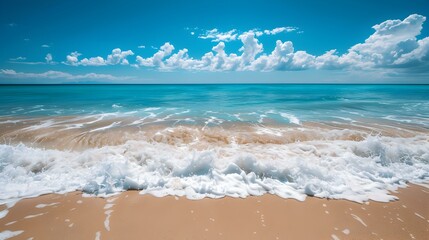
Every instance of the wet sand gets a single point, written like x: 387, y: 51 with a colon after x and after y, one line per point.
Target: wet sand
x: 80, y: 133
x: 133, y: 216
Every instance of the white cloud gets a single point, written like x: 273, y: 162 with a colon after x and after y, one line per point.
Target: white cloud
x: 419, y: 54
x: 177, y: 60
x: 141, y: 46
x: 156, y: 59
x: 390, y: 44
x: 58, y: 75
x: 72, y: 58
x: 393, y: 45
x: 217, y: 36
x: 280, y: 58
x: 220, y: 61
x: 18, y: 59
x: 251, y: 47
x: 116, y: 57
x: 48, y: 58
x: 45, y: 46
x: 279, y: 30
x: 21, y: 60
x: 92, y: 61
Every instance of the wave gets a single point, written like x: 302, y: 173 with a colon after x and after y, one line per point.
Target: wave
x: 360, y: 169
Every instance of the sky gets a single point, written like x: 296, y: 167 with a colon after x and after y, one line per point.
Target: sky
x: 167, y: 41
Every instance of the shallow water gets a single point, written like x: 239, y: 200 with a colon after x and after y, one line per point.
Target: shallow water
x: 353, y: 142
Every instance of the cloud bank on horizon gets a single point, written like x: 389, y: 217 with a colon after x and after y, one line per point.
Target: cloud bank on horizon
x: 395, y: 46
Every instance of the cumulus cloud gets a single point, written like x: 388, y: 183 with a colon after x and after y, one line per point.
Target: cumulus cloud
x: 251, y: 47
x: 418, y: 54
x: 217, y: 36
x: 393, y: 45
x: 72, y: 58
x: 141, y: 46
x: 157, y: 59
x: 45, y: 46
x: 116, y: 57
x: 58, y: 75
x: 92, y: 61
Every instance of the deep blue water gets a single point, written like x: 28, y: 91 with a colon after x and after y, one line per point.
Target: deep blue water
x: 403, y: 103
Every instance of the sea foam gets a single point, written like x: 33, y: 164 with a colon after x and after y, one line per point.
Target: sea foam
x: 340, y: 169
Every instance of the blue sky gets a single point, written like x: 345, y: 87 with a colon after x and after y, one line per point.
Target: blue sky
x: 214, y: 41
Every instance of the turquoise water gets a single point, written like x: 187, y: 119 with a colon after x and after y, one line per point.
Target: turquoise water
x: 355, y: 142
x: 402, y: 103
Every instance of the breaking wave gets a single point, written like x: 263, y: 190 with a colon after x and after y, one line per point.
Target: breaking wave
x: 334, y: 166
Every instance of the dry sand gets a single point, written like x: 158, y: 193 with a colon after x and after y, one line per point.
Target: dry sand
x: 133, y: 216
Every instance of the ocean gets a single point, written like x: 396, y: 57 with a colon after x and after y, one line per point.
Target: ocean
x: 355, y: 142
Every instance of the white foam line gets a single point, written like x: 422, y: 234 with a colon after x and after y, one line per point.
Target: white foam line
x: 11, y: 121
x: 106, y: 127
x: 359, y: 219
x: 3, y: 213
x: 97, y: 235
x: 8, y: 206
x: 151, y: 109
x: 265, y: 130
x: 10, y: 223
x: 141, y: 120
x: 33, y: 216
x: 110, y: 200
x: 261, y: 118
x: 420, y: 216
x: 107, y: 220
x: 46, y: 205
x: 9, y: 234
x: 292, y: 118
x: 44, y: 124
x: 109, y: 205
x: 345, y: 118
x: 334, y: 237
x: 96, y: 120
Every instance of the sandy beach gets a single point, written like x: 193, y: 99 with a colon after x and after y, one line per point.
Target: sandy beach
x: 193, y: 120
x: 130, y: 215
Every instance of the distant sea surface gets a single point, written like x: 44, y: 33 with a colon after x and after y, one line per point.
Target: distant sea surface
x: 355, y: 142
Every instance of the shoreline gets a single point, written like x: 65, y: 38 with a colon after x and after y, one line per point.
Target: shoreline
x: 130, y: 215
